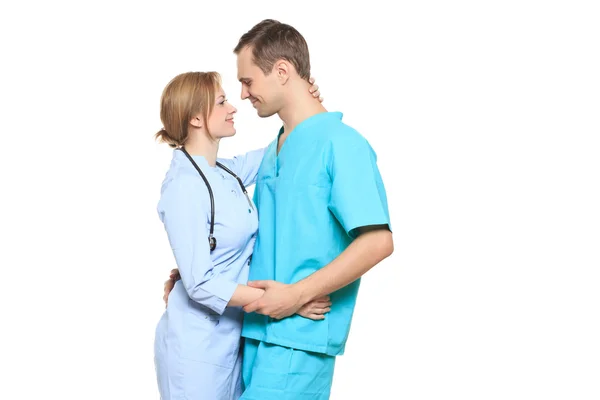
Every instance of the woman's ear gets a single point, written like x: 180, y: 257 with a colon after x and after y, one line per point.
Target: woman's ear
x: 196, y: 122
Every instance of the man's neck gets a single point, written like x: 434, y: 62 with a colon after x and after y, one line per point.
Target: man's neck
x: 298, y: 109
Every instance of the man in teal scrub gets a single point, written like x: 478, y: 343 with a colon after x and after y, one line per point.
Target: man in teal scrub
x: 323, y: 222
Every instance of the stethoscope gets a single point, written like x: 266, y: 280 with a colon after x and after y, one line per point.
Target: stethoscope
x: 212, y: 241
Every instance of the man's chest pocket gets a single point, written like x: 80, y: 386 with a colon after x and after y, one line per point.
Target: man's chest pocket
x: 305, y: 174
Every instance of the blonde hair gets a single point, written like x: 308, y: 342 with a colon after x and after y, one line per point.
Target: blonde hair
x: 185, y: 96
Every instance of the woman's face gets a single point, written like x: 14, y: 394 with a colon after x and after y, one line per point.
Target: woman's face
x: 220, y: 122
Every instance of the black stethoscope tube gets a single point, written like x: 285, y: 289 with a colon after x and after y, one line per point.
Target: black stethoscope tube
x: 212, y: 241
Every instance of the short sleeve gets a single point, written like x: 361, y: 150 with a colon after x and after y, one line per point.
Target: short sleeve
x: 245, y: 166
x: 358, y: 196
x: 184, y: 212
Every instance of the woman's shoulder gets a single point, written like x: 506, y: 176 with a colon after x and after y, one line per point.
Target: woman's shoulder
x: 181, y: 186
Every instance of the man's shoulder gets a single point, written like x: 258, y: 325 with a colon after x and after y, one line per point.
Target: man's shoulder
x: 342, y: 135
x: 272, y: 146
x: 269, y: 152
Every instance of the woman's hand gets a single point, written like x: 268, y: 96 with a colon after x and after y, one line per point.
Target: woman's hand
x: 316, y: 309
x: 314, y: 89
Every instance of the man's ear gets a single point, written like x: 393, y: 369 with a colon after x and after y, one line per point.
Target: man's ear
x: 196, y: 122
x: 282, y: 69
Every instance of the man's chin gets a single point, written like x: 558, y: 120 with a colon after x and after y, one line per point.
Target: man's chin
x: 264, y: 114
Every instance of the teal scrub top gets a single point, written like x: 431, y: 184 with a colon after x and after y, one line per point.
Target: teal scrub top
x: 323, y: 184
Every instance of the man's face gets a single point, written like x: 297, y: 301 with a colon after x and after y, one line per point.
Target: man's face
x: 264, y: 92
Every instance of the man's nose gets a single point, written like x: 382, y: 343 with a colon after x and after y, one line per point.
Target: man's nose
x: 245, y: 93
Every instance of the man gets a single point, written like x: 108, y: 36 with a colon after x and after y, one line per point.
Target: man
x: 323, y: 222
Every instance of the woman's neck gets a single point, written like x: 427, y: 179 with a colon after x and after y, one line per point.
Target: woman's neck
x: 201, y: 145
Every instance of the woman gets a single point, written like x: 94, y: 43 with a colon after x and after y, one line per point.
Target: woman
x: 211, y: 224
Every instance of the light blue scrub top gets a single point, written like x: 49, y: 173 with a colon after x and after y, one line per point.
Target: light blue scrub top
x: 197, y: 325
x: 323, y: 184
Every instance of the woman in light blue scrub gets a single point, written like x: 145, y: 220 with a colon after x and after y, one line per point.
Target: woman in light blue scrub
x: 211, y: 225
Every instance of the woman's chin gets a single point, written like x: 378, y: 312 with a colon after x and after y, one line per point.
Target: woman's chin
x: 227, y: 134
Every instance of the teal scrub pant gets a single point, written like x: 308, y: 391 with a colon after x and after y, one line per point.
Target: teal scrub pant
x: 272, y: 372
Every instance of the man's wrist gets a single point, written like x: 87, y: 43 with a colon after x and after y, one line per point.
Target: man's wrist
x: 303, y: 291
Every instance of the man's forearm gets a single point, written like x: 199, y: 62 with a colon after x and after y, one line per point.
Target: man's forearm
x: 364, y: 253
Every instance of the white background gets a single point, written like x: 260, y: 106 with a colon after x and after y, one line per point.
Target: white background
x: 484, y: 116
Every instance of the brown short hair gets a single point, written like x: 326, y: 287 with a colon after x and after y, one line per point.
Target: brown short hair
x: 272, y: 40
x: 184, y: 96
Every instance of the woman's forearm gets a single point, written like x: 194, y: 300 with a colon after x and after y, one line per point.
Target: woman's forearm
x: 244, y: 295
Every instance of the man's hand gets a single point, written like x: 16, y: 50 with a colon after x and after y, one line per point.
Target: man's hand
x: 169, y: 284
x: 279, y: 301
